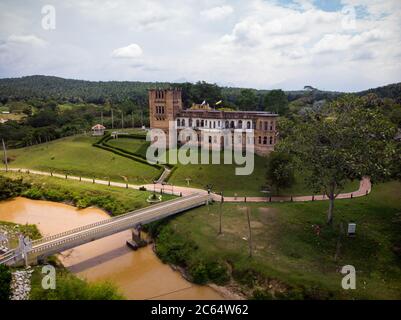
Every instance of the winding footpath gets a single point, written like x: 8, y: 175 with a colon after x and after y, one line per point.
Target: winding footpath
x: 365, y: 188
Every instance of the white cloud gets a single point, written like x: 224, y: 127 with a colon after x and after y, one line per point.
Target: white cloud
x: 131, y: 51
x: 217, y: 13
x: 31, y: 40
x: 253, y: 43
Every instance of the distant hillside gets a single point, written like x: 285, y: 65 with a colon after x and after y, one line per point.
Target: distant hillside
x: 392, y: 91
x: 60, y: 89
x: 45, y: 87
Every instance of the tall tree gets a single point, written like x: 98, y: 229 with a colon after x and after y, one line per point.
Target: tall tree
x: 276, y: 101
x: 349, y: 142
x: 280, y: 173
x: 247, y: 100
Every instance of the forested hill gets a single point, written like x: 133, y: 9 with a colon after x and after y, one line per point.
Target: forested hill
x: 392, y: 91
x: 48, y: 87
x: 99, y: 92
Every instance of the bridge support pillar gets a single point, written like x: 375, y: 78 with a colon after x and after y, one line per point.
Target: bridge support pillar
x: 136, y: 242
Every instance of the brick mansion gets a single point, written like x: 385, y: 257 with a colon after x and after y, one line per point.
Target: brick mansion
x: 165, y: 105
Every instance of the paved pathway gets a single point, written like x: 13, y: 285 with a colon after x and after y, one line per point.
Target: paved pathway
x: 365, y: 188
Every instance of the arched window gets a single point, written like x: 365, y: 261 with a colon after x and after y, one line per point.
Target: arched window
x: 232, y: 124
x: 271, y: 140
x: 240, y: 124
x: 266, y: 125
x: 260, y: 125
x: 197, y: 123
x: 271, y: 125
x: 190, y: 122
x: 227, y: 125
x: 178, y: 122
x: 264, y: 140
x: 183, y: 122
x: 202, y: 123
x: 260, y: 140
x: 248, y: 125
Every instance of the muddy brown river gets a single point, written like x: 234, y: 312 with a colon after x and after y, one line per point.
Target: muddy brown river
x: 139, y: 274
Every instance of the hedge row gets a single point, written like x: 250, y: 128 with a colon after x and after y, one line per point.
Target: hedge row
x: 102, y: 144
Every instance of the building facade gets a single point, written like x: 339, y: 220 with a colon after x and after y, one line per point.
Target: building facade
x: 246, y: 127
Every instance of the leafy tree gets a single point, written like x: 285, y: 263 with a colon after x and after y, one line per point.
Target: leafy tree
x: 248, y: 100
x: 280, y: 173
x: 276, y: 101
x: 5, y: 282
x: 348, y: 142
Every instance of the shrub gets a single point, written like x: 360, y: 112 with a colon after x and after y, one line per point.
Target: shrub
x: 173, y: 247
x: 208, y: 271
x: 70, y: 287
x: 199, y: 273
x: 11, y: 188
x: 5, y: 282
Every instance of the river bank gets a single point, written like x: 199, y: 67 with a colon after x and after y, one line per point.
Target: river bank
x: 138, y: 274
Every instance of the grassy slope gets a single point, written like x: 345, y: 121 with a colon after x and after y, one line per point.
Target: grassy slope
x: 222, y: 176
x: 133, y: 145
x: 75, y: 155
x: 286, y: 247
x: 128, y: 199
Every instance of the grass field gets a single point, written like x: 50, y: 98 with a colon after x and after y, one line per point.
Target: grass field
x: 288, y: 252
x: 136, y: 146
x: 76, y: 155
x: 222, y: 176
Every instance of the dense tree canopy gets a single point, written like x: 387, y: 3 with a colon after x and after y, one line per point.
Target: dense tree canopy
x: 276, y: 101
x: 347, y: 141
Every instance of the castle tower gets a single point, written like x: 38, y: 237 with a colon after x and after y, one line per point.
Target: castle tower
x: 164, y: 104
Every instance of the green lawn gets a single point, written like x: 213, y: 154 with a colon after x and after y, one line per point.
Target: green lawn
x: 289, y: 254
x: 76, y: 155
x: 123, y: 199
x: 222, y: 176
x: 137, y: 146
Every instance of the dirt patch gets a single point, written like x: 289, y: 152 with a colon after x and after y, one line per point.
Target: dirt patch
x: 268, y: 215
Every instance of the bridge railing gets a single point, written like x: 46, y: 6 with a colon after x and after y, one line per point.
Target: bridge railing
x: 124, y: 223
x: 105, y: 221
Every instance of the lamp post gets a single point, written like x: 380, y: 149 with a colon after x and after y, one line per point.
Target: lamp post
x: 5, y: 155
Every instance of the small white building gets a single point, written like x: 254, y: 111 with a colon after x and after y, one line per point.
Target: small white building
x: 98, y: 130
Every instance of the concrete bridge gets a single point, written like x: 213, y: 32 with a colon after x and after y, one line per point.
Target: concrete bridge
x: 39, y: 249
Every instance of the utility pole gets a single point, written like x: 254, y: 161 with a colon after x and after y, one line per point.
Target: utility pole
x: 221, y: 212
x: 5, y: 155
x: 250, y: 232
x: 112, y: 119
x: 122, y: 119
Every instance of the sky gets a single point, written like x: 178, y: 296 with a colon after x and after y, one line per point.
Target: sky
x: 339, y: 45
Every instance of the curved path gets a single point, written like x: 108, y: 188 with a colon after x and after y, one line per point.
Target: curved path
x: 365, y: 188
